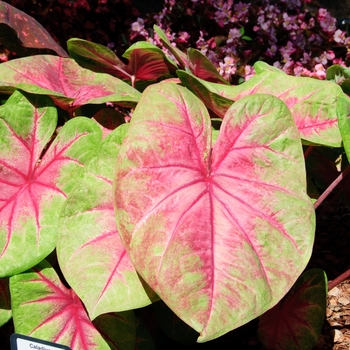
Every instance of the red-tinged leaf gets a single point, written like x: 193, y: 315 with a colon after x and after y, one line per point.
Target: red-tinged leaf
x: 218, y: 104
x: 107, y: 281
x: 222, y: 233
x: 180, y: 56
x: 68, y: 84
x: 108, y: 119
x: 148, y: 62
x: 312, y: 102
x: 203, y: 68
x: 33, y: 187
x: 296, y: 321
x: 97, y: 58
x: 44, y: 308
x: 5, y: 301
x: 30, y: 33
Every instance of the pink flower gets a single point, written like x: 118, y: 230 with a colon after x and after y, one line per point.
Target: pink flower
x: 233, y: 34
x: 249, y: 72
x: 322, y: 14
x: 228, y: 67
x: 271, y: 51
x: 339, y: 36
x: 320, y: 71
x: 306, y: 58
x: 325, y: 57
x: 138, y: 25
x: 339, y: 61
x: 183, y: 38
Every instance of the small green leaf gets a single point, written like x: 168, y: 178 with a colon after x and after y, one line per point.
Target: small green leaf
x: 107, y: 281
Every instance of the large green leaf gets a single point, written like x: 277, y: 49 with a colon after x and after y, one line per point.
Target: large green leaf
x: 107, y: 280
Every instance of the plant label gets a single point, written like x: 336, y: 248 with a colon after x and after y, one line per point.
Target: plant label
x: 23, y: 342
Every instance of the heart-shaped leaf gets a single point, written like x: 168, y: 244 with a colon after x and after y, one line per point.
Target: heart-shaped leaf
x: 44, y: 308
x: 5, y: 301
x: 107, y: 281
x: 30, y: 33
x: 312, y: 102
x: 33, y: 187
x: 68, y: 84
x: 296, y: 322
x: 222, y: 233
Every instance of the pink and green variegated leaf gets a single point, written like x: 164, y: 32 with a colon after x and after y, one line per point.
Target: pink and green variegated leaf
x: 296, y: 321
x: 5, y: 301
x: 107, y: 281
x: 312, y: 102
x: 218, y: 104
x: 33, y: 187
x: 219, y: 233
x: 30, y: 33
x: 68, y: 84
x: 203, y: 68
x: 180, y: 56
x: 44, y: 308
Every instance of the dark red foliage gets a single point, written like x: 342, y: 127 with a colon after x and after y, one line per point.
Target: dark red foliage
x: 102, y: 21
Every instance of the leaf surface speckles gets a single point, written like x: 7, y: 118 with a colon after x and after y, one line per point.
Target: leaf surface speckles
x: 107, y: 280
x: 222, y: 233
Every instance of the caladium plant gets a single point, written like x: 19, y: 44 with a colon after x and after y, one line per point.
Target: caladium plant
x: 200, y: 203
